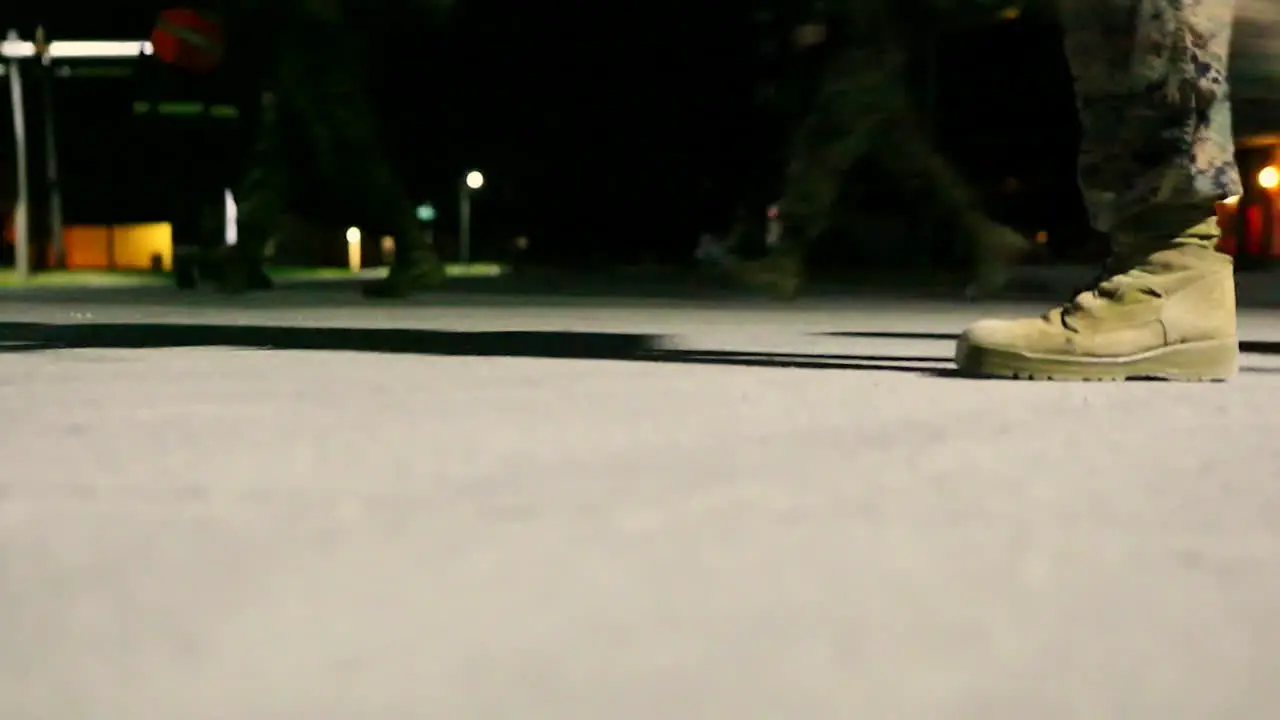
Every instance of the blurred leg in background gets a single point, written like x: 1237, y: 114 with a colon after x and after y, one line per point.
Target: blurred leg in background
x: 261, y: 202
x: 861, y: 108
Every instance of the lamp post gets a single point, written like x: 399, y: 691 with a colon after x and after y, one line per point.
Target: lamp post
x: 473, y: 181
x: 51, y: 153
x: 16, y: 51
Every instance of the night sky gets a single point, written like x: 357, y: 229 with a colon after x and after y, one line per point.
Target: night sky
x: 623, y: 124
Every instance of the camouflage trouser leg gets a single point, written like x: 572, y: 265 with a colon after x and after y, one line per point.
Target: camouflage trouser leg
x: 1151, y: 87
x: 324, y: 79
x: 928, y: 178
x: 862, y: 109
x: 262, y: 192
x: 861, y: 88
x: 380, y: 196
x: 346, y: 140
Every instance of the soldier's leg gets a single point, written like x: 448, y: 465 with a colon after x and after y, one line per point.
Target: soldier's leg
x: 382, y: 197
x: 862, y: 88
x: 1156, y: 157
x: 260, y: 205
x: 343, y: 134
x: 756, y: 191
x: 935, y: 184
x: 861, y: 91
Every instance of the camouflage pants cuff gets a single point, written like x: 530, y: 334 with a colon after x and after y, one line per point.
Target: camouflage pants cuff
x: 1166, y: 226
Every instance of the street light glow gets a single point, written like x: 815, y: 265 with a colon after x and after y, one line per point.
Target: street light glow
x: 99, y: 49
x: 353, y: 235
x: 475, y: 180
x: 1269, y: 178
x: 17, y: 49
x: 14, y: 49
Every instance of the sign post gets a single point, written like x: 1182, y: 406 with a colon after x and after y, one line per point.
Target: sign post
x: 51, y: 154
x: 14, y: 50
x: 21, y: 206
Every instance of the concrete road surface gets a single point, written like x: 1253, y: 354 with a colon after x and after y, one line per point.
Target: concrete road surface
x: 303, y: 507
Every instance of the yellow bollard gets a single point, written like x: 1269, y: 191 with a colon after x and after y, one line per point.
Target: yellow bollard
x: 353, y: 249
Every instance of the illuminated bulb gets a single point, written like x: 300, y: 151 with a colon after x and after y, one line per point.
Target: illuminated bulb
x: 1269, y: 178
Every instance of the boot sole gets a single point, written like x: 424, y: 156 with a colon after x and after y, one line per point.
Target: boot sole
x: 777, y: 286
x: 1208, y: 361
x: 781, y: 291
x: 388, y: 289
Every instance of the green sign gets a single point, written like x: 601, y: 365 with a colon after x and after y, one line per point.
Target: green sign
x: 187, y: 109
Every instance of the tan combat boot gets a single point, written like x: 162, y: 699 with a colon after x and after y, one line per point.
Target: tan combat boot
x: 997, y: 250
x: 779, y: 274
x: 421, y: 270
x: 1172, y: 315
x: 242, y: 268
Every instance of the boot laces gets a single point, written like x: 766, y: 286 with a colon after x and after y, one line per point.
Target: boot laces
x: 1117, y: 281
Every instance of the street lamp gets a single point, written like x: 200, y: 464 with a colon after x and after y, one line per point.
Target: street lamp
x: 1269, y: 178
x: 473, y: 181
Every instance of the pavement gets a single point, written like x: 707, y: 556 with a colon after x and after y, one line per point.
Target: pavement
x: 1255, y: 288
x: 302, y: 505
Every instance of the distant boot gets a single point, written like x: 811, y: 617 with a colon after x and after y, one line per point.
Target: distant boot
x: 242, y: 270
x: 997, y: 249
x: 418, y: 271
x: 780, y: 274
x: 749, y: 261
x: 1171, y: 314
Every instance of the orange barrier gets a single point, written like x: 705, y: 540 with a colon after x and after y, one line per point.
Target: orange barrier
x: 143, y: 246
x: 1246, y: 231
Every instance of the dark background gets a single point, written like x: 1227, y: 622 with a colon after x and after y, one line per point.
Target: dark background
x: 612, y: 133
